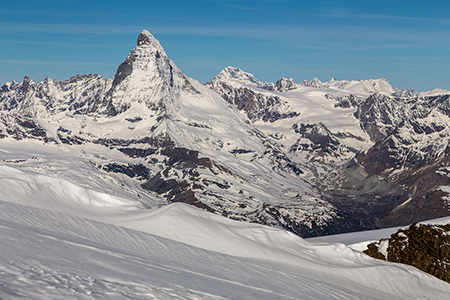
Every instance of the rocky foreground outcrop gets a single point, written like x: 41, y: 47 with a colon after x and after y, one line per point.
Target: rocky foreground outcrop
x: 426, y: 247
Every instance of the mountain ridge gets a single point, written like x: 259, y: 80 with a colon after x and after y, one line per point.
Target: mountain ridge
x: 299, y: 156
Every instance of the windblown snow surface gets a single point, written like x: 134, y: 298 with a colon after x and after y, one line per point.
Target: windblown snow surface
x: 71, y: 231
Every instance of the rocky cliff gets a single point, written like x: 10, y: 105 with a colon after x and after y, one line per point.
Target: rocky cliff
x: 426, y: 247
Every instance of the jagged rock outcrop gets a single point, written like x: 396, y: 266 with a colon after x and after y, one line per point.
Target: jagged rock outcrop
x: 380, y: 114
x: 313, y: 83
x: 347, y: 101
x: 319, y: 142
x: 282, y: 85
x: 19, y: 128
x: 426, y: 247
x: 258, y: 106
x: 77, y: 95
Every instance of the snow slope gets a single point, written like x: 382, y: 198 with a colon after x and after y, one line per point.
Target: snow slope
x: 68, y: 232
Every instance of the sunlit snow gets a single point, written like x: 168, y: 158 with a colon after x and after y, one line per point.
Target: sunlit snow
x: 72, y: 231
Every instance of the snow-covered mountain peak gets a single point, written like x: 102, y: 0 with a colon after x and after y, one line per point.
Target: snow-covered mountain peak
x: 146, y: 38
x: 434, y: 92
x: 379, y: 85
x: 405, y: 92
x: 285, y: 84
x: 237, y: 75
x: 147, y: 76
x: 313, y: 83
x: 363, y: 87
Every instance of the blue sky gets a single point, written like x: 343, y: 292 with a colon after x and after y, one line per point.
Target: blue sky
x: 408, y: 42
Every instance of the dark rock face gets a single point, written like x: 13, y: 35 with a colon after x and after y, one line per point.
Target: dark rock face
x: 321, y: 138
x: 134, y: 171
x: 347, y: 101
x: 426, y: 247
x: 379, y: 115
x: 412, y: 151
x: 257, y: 106
x: 313, y: 83
x: 76, y: 95
x: 282, y: 85
x: 319, y: 142
x: 21, y: 128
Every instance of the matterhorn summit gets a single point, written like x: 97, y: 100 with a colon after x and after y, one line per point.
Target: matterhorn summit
x: 146, y: 38
x: 147, y: 77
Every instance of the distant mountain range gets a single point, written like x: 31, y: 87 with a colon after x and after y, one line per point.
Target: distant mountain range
x: 314, y: 157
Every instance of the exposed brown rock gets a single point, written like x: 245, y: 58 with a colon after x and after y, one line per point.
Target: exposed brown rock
x: 426, y: 247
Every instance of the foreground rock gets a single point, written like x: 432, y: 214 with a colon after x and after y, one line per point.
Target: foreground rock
x: 426, y: 247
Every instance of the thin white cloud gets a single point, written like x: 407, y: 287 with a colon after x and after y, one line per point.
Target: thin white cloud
x: 247, y: 8
x: 8, y: 27
x: 404, y: 18
x: 56, y: 63
x: 63, y: 44
x: 343, y: 14
x: 337, y: 38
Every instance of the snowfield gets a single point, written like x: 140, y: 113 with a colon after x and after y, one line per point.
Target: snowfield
x: 71, y: 231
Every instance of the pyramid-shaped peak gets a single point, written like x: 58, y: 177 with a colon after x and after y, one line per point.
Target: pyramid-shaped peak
x: 285, y: 84
x: 146, y: 38
x: 315, y: 83
x: 146, y: 76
